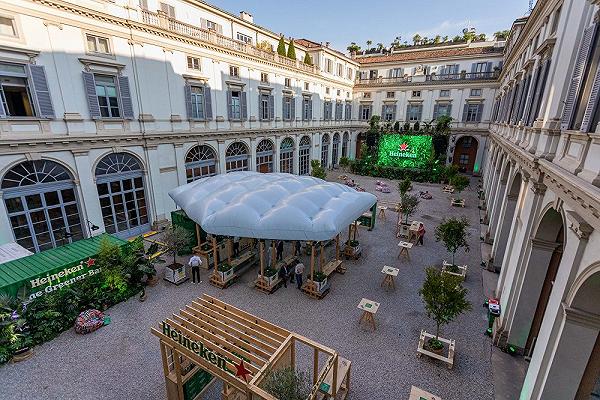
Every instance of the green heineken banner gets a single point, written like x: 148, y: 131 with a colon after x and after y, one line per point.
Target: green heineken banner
x: 404, y: 151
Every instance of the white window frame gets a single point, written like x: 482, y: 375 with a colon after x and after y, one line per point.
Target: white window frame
x: 234, y: 71
x: 473, y: 93
x: 445, y: 93
x: 264, y: 77
x: 95, y: 36
x: 196, y: 63
x: 242, y: 37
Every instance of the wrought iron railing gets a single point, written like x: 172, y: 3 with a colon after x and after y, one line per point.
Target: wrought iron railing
x: 381, y: 81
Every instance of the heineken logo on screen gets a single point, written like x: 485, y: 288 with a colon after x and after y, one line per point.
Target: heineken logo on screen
x: 404, y: 151
x: 61, y: 279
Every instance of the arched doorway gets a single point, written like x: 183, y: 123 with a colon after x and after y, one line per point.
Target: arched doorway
x: 41, y: 205
x: 236, y: 157
x: 304, y: 156
x: 325, y: 150
x: 286, y: 156
x: 345, y: 142
x: 120, y: 185
x: 264, y: 156
x: 465, y: 153
x: 335, y: 149
x: 506, y: 222
x: 200, y: 162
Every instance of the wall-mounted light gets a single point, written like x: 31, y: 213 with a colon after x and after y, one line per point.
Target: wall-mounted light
x: 93, y: 227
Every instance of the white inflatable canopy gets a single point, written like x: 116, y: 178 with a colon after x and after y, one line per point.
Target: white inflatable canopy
x: 271, y: 206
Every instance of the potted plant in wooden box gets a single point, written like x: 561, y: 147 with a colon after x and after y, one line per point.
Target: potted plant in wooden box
x: 453, y: 233
x: 459, y: 183
x: 353, y: 248
x: 444, y: 299
x: 270, y: 276
x: 225, y: 272
x: 320, y: 280
x: 408, y: 206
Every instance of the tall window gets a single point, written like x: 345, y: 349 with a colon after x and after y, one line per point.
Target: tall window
x: 327, y: 110
x: 167, y: 9
x: 263, y: 106
x: 200, y: 162
x: 108, y: 100
x: 236, y: 157
x: 442, y: 109
x: 244, y: 38
x: 306, y: 108
x: 286, y: 156
x: 193, y: 63
x: 339, y: 110
x: 234, y: 71
x: 413, y: 112
x: 264, y: 77
x: 348, y: 111
x: 472, y: 112
x: 364, y: 112
x: 396, y: 72
x: 288, y: 108
x: 97, y: 44
x: 15, y: 91
x: 389, y: 112
x: 198, y: 102
x: 345, y: 141
x: 335, y: 149
x: 325, y: 151
x: 304, y: 156
x: 235, y: 105
x: 264, y: 156
x: 120, y: 185
x: 41, y: 205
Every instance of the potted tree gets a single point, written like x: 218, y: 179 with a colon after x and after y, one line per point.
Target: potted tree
x: 352, y: 249
x: 404, y: 186
x: 146, y: 261
x: 408, y: 206
x: 453, y: 233
x: 459, y: 183
x: 287, y: 383
x: 175, y: 239
x: 344, y: 163
x: 270, y: 276
x: 444, y: 299
x: 317, y: 170
x: 225, y: 271
x: 320, y: 280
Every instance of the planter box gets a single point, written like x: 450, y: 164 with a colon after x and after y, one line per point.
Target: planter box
x: 352, y: 252
x: 450, y: 344
x: 462, y: 270
x: 457, y: 202
x: 270, y: 280
x: 320, y: 286
x: 226, y: 275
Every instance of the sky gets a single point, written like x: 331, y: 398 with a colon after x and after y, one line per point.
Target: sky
x: 343, y: 21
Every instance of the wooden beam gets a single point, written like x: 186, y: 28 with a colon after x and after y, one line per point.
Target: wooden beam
x: 215, y: 255
x: 337, y: 247
x: 315, y: 365
x: 274, y: 357
x: 273, y: 256
x: 163, y: 354
x: 321, y: 258
x: 312, y: 261
x: 261, y: 246
x: 198, y: 238
x: 229, y: 246
x: 178, y: 373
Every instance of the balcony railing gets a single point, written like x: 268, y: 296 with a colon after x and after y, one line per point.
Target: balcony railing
x: 405, y: 80
x: 161, y: 20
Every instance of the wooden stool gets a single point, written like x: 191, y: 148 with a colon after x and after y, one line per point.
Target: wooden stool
x: 404, y: 246
x: 369, y: 309
x: 382, y: 212
x: 388, y: 280
x: 418, y: 394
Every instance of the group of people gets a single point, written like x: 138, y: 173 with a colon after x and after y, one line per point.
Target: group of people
x: 293, y: 273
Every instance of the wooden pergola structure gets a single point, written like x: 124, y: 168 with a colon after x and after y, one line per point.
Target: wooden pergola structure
x: 240, y: 349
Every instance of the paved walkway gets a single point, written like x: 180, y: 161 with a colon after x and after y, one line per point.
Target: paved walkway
x: 122, y: 361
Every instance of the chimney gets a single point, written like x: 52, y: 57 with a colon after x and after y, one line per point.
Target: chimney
x: 246, y: 17
x: 327, y: 44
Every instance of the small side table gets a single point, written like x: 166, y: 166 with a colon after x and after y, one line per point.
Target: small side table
x: 388, y: 280
x: 369, y: 309
x: 404, y: 247
x: 420, y: 394
x: 382, y: 212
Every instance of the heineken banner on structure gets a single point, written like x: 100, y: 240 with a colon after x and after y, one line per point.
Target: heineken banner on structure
x: 404, y: 151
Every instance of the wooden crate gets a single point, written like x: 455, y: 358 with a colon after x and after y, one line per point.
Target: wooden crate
x: 448, y: 360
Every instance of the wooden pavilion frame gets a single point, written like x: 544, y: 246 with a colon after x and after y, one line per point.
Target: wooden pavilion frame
x: 319, y: 289
x: 240, y: 349
x: 270, y: 284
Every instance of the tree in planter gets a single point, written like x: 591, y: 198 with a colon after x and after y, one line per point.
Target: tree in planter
x: 291, y: 51
x: 445, y: 299
x: 459, y: 182
x: 317, y: 170
x: 308, y: 59
x: 175, y: 239
x: 408, y: 205
x: 287, y: 383
x: 450, y: 172
x: 453, y: 233
x: 344, y: 163
x: 281, y: 47
x: 404, y: 186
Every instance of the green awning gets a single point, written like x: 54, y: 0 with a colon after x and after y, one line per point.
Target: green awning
x: 52, y: 266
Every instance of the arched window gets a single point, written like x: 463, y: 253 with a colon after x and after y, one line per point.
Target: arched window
x: 200, y: 162
x: 345, y: 140
x: 286, y: 156
x: 41, y: 205
x: 236, y: 157
x: 304, y: 156
x: 264, y: 156
x: 325, y: 150
x: 335, y: 149
x: 120, y: 184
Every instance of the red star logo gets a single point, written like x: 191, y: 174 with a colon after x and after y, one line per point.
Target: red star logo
x: 90, y: 262
x: 403, y: 147
x: 242, y: 371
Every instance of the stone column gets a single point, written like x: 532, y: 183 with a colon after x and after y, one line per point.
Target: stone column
x: 180, y: 164
x: 88, y: 193
x: 296, y: 164
x: 276, y: 154
x: 496, y: 204
x: 507, y: 220
x: 494, y: 181
x: 221, y: 149
x: 252, y: 161
x: 153, y: 184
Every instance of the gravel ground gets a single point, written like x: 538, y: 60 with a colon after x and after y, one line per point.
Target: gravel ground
x: 122, y: 360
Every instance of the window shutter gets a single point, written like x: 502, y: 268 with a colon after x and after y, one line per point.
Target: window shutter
x: 271, y: 107
x: 310, y: 113
x: 229, y: 105
x: 203, y: 24
x: 537, y: 101
x: 2, y: 111
x: 449, y: 110
x: 244, y: 106
x: 383, y: 112
x: 187, y: 89
x: 207, y: 104
x: 260, y: 113
x: 473, y: 68
x: 293, y: 109
x: 465, y: 110
x: 532, y: 87
x: 125, y: 94
x: 513, y: 103
x: 89, y: 84
x: 408, y: 112
x: 394, y: 112
x: 219, y: 29
x: 489, y: 67
x: 436, y: 108
x: 592, y: 103
x: 360, y: 111
x: 479, y: 112
x: 283, y: 108
x: 578, y: 70
x: 41, y: 92
x: 523, y: 98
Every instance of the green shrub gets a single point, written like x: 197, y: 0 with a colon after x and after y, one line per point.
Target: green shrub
x: 281, y: 47
x: 319, y: 277
x: 291, y: 51
x: 286, y: 383
x: 308, y: 59
x: 317, y: 170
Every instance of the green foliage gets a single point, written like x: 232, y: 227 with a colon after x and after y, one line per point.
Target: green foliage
x: 317, y: 170
x: 319, y: 276
x: 344, y: 162
x: 459, y: 182
x: 291, y: 51
x: 444, y: 297
x: 453, y: 233
x: 404, y: 186
x: 417, y: 39
x: 450, y: 172
x: 224, y: 267
x: 502, y: 35
x: 408, y: 205
x: 287, y: 383
x: 352, y: 243
x: 175, y: 239
x: 308, y: 59
x: 353, y: 47
x: 270, y: 272
x: 281, y: 47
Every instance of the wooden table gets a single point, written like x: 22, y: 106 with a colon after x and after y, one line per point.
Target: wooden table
x: 369, y: 308
x: 382, y: 212
x: 388, y: 280
x: 419, y: 394
x: 413, y: 231
x: 404, y: 246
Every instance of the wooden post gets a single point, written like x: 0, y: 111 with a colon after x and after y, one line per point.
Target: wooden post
x: 335, y: 377
x: 229, y: 250
x: 355, y: 228
x: 321, y: 258
x: 312, y: 261
x: 337, y: 247
x: 273, y: 257
x: 198, y: 238
x: 163, y: 353
x: 178, y: 373
x: 293, y: 352
x: 315, y: 366
x: 261, y: 248
x: 215, y: 255
x: 349, y: 232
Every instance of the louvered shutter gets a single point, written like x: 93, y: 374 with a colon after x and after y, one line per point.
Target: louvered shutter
x: 465, y: 110
x: 394, y: 112
x: 436, y: 108
x: 207, y: 104
x: 360, y: 111
x: 592, y: 105
x: 125, y: 94
x: 292, y: 109
x: 525, y: 86
x: 89, y: 85
x: 260, y: 111
x: 578, y: 70
x: 229, y: 105
x: 310, y: 113
x: 271, y: 107
x: 489, y: 67
x: 244, y: 106
x: 383, y: 112
x: 40, y: 92
x: 187, y: 90
x: 532, y: 88
x: 219, y: 29
x: 513, y: 104
x: 537, y: 101
x: 479, y: 112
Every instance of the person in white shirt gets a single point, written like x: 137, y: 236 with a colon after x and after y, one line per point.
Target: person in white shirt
x: 195, y: 263
x: 299, y: 270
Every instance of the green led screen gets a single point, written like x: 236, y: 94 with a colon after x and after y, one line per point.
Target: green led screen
x: 405, y: 151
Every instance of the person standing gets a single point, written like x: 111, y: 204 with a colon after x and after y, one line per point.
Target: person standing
x: 279, y: 250
x: 299, y: 270
x: 297, y: 248
x: 236, y: 246
x: 283, y: 275
x: 421, y: 234
x: 195, y: 263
